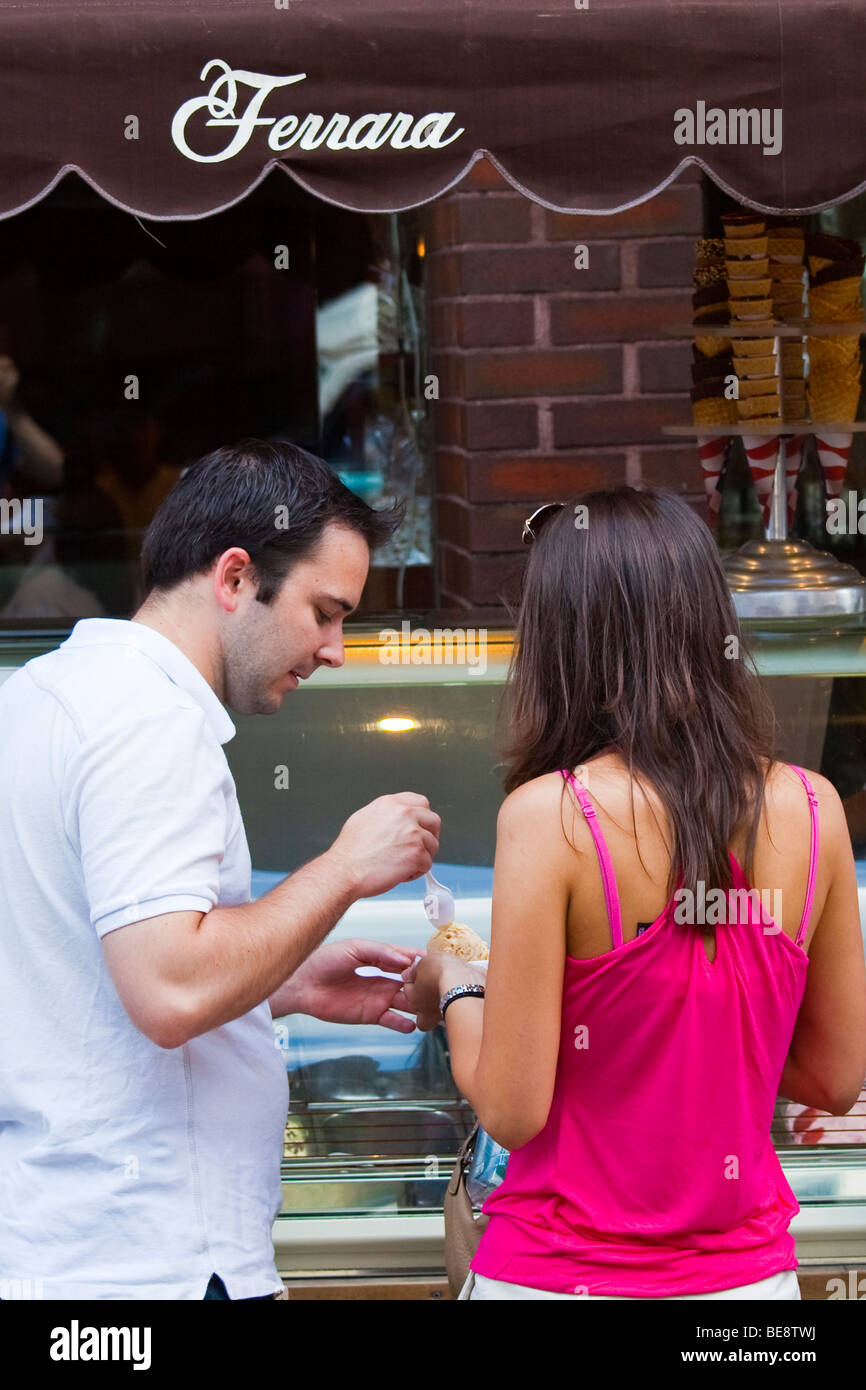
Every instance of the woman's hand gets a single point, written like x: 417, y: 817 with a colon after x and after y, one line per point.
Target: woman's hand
x: 427, y: 980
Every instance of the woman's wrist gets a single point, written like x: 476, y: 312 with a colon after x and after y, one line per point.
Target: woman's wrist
x: 458, y: 972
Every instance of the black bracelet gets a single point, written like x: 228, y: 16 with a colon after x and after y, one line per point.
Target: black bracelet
x: 459, y: 992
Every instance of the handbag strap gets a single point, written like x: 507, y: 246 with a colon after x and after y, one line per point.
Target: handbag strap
x: 463, y: 1160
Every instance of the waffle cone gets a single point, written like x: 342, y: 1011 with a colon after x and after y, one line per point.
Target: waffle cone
x: 711, y: 347
x: 738, y: 225
x: 839, y: 351
x: 714, y: 410
x: 786, y: 249
x: 749, y: 288
x: 841, y: 292
x: 794, y: 388
x: 786, y: 274
x: 758, y: 386
x: 830, y: 378
x: 751, y: 407
x: 751, y: 308
x: 753, y: 347
x: 833, y: 406
x: 747, y: 270
x: 739, y: 248
x: 755, y: 366
x: 824, y: 309
x: 793, y: 364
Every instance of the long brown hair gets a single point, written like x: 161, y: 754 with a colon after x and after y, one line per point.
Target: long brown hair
x: 627, y: 639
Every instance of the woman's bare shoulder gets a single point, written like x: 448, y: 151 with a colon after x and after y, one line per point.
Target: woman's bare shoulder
x: 532, y: 796
x: 786, y: 798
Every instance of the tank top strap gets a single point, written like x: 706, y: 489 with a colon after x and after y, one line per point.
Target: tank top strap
x: 813, y: 857
x: 608, y: 878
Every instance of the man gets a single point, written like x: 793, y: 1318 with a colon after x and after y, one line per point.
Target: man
x: 142, y: 1097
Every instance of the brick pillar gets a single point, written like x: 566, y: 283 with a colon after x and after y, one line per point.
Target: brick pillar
x: 551, y: 379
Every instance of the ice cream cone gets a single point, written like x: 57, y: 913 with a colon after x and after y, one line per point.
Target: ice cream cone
x: 762, y: 453
x: 833, y: 452
x: 461, y: 941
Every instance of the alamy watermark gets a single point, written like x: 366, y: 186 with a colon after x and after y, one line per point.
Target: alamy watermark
x: 22, y: 517
x: 77, y: 1343
x: 24, y: 1288
x: 846, y: 518
x: 736, y: 126
x: 443, y: 646
x: 702, y: 908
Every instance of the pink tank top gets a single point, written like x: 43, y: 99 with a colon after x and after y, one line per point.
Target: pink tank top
x: 655, y: 1174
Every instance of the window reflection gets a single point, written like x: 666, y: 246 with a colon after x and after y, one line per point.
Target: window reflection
x: 127, y: 351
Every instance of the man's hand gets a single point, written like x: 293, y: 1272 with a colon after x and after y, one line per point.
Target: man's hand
x: 392, y: 840
x: 326, y: 986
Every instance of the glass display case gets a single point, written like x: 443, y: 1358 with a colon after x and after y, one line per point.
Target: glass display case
x: 375, y: 1120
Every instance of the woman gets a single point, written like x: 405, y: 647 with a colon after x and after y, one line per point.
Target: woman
x: 634, y: 1035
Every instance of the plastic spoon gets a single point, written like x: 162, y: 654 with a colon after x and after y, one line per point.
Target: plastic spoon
x: 438, y: 903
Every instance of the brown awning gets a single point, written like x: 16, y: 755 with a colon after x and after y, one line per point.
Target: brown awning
x: 175, y: 108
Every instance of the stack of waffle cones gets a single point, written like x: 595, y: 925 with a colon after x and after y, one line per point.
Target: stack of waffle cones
x: 786, y: 243
x: 713, y: 401
x: 755, y: 361
x: 786, y: 240
x: 747, y: 268
x: 835, y: 278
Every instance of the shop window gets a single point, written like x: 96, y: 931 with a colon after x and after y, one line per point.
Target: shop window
x: 129, y: 349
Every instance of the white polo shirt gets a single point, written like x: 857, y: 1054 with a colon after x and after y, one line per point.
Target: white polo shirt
x: 127, y: 1171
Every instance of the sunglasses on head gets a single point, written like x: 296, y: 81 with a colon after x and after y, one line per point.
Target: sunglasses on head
x: 533, y: 524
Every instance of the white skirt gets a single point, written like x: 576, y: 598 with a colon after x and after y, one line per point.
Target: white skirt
x: 783, y: 1285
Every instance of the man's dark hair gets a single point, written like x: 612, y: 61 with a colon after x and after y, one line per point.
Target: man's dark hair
x: 270, y: 497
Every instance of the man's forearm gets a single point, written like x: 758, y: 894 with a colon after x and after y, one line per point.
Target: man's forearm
x: 285, y: 999
x: 240, y: 956
x: 42, y: 461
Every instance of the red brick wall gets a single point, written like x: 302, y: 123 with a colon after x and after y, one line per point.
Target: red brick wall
x: 551, y: 379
